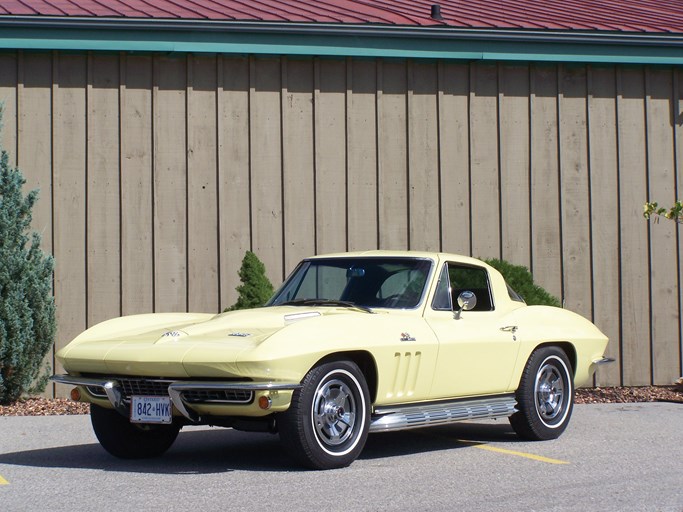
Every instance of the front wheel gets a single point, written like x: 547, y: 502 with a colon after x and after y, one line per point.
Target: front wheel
x: 327, y: 424
x: 127, y: 440
x: 545, y: 397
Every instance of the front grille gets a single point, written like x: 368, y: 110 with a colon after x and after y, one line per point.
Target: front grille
x: 97, y: 391
x: 159, y: 387
x: 241, y: 396
x: 130, y: 387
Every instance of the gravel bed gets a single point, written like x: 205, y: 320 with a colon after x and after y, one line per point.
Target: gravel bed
x: 62, y: 406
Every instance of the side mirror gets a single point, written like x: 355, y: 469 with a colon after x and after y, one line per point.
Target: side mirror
x: 467, y: 301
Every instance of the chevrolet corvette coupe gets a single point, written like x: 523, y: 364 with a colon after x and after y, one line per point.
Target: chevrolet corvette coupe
x: 350, y: 344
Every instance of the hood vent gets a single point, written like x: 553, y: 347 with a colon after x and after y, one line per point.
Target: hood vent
x: 295, y: 317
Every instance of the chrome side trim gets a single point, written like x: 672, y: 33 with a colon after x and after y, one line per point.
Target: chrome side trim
x: 603, y: 360
x: 388, y: 419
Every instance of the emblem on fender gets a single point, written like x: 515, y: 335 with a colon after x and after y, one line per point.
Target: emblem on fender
x: 406, y: 337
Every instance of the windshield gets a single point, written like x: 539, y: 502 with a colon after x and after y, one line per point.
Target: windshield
x: 397, y: 283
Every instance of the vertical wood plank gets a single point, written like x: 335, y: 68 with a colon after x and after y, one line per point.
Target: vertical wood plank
x: 170, y: 184
x: 361, y: 140
x: 202, y: 206
x: 137, y: 226
x: 266, y: 165
x: 546, y: 260
x: 8, y: 104
x: 103, y: 227
x: 298, y: 162
x: 34, y: 137
x: 574, y: 178
x: 33, y: 151
x: 635, y: 285
x: 678, y: 131
x: 69, y: 178
x: 662, y: 187
x: 485, y: 186
x: 605, y: 212
x: 234, y: 190
x: 330, y: 155
x: 423, y: 141
x: 454, y: 93
x: 392, y: 196
x: 514, y: 164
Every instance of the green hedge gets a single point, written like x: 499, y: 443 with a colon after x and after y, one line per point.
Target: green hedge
x: 521, y: 280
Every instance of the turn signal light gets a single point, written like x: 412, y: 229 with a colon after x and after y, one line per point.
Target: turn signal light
x: 75, y: 395
x: 264, y: 402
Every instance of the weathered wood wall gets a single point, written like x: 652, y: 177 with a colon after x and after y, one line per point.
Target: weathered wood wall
x: 158, y: 172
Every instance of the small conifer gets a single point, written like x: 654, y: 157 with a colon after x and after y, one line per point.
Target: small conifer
x: 27, y: 310
x: 255, y: 289
x: 520, y: 279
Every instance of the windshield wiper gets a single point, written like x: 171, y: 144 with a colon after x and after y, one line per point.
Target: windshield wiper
x: 326, y: 302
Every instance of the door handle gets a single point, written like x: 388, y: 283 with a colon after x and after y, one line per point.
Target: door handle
x: 509, y: 328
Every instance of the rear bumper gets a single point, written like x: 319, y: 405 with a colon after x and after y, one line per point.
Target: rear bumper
x: 603, y: 360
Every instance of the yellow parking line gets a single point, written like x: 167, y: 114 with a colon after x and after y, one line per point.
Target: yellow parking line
x: 3, y: 481
x: 484, y: 446
x: 531, y: 456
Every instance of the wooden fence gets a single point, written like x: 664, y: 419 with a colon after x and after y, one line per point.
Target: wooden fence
x: 157, y: 173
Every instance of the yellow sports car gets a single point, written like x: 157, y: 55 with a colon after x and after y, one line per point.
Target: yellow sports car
x: 350, y: 344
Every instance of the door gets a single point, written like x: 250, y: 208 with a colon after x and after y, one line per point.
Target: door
x: 477, y: 350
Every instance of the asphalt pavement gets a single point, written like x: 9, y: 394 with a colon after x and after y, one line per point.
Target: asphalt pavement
x: 613, y: 457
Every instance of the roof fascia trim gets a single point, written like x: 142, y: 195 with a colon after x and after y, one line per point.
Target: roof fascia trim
x: 199, y: 36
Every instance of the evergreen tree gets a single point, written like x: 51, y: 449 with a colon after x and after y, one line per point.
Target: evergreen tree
x: 27, y: 311
x: 255, y: 289
x: 520, y: 279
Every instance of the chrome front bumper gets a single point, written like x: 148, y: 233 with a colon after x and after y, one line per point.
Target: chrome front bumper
x: 112, y: 390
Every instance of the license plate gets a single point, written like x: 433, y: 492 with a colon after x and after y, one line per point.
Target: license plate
x: 150, y: 409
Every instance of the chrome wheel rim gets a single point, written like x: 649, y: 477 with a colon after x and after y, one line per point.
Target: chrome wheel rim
x: 550, y: 392
x: 334, y: 412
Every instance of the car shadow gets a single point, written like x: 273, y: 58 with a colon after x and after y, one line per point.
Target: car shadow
x: 217, y: 450
x: 447, y: 437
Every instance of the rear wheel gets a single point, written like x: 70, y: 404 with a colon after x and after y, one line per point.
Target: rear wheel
x: 545, y: 397
x: 127, y: 440
x: 327, y: 424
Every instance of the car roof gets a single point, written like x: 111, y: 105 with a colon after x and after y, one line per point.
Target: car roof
x: 436, y: 256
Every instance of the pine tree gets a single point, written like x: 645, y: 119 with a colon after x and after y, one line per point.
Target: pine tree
x: 255, y: 289
x: 27, y: 310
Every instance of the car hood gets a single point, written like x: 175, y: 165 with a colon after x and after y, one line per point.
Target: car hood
x: 165, y: 344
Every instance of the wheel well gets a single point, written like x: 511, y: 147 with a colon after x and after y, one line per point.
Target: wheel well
x: 364, y: 361
x: 567, y: 348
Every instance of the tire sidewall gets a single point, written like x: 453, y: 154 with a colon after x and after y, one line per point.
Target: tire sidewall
x: 361, y: 399
x: 528, y: 422
x: 296, y: 425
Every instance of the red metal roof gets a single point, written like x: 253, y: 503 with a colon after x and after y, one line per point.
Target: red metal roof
x: 603, y: 15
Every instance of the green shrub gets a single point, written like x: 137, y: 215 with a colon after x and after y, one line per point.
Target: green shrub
x: 27, y: 310
x: 255, y: 289
x: 521, y: 280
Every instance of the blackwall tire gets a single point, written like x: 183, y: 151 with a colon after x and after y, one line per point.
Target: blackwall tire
x: 127, y: 440
x: 545, y: 397
x: 327, y: 424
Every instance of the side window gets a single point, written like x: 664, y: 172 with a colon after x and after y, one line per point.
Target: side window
x: 460, y: 279
x: 514, y: 295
